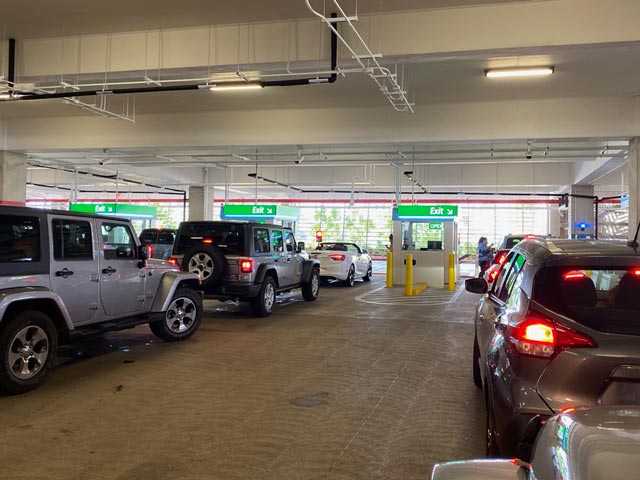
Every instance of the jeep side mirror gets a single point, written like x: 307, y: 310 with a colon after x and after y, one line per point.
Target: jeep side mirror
x: 144, y: 252
x: 301, y: 246
x: 476, y: 285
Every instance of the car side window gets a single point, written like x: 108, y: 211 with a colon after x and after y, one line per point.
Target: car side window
x: 514, y: 297
x: 289, y: 241
x: 72, y: 240
x: 261, y: 243
x: 506, y: 267
x: 516, y: 267
x: 117, y: 242
x: 19, y: 239
x: 278, y: 245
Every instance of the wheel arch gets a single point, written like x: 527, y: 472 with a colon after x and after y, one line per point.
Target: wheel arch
x: 49, y: 305
x: 170, y: 282
x: 263, y: 271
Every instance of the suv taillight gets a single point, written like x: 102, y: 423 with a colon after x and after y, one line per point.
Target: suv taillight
x: 172, y: 260
x: 500, y: 258
x: 246, y: 266
x: 541, y: 337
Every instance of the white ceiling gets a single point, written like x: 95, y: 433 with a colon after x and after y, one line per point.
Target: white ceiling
x: 40, y: 18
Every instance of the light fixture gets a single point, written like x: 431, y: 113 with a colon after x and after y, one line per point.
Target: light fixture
x: 518, y: 72
x: 235, y: 86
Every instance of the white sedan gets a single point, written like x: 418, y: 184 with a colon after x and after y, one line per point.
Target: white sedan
x: 343, y: 261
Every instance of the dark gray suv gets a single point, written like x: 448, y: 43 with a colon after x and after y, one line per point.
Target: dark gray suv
x: 246, y: 261
x: 560, y: 328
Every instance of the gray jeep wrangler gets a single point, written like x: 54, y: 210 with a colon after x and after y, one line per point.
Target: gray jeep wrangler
x: 66, y: 275
x: 246, y: 261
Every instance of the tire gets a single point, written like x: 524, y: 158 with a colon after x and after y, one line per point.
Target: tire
x: 182, y: 318
x: 263, y: 304
x: 491, y: 445
x: 30, y: 336
x: 311, y: 289
x: 208, y: 262
x: 477, y: 378
x: 351, y: 277
x: 369, y: 274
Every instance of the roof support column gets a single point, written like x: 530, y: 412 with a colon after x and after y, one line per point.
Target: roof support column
x: 581, y: 211
x: 633, y: 174
x: 13, y: 178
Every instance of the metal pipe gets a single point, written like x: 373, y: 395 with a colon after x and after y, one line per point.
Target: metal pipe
x: 11, y: 70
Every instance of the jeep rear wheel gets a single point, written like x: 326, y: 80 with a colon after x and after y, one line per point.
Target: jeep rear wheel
x: 181, y: 319
x: 311, y: 289
x: 28, y: 345
x: 263, y: 304
x: 207, y: 262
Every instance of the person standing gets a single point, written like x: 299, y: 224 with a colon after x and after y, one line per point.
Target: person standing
x: 485, y: 255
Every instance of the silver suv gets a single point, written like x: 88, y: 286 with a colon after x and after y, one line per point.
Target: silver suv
x: 66, y: 275
x: 246, y: 261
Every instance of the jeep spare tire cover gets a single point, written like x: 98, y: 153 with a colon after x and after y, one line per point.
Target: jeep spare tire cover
x: 207, y: 262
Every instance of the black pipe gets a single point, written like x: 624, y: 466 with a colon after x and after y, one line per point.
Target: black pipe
x: 177, y: 88
x: 11, y: 70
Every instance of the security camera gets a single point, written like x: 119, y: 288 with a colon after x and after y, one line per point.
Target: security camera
x: 528, y: 155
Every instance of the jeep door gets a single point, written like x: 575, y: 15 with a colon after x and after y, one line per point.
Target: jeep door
x: 121, y: 278
x: 294, y: 259
x: 281, y: 259
x: 74, y: 266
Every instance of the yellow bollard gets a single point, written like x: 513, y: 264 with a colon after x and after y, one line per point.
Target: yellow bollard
x: 452, y: 271
x: 389, y: 269
x: 408, y: 286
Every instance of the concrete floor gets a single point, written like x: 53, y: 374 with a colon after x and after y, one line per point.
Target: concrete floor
x: 336, y: 389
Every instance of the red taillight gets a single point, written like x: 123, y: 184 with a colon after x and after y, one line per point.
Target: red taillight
x: 173, y: 261
x: 541, y: 337
x: 530, y: 237
x: 500, y: 258
x: 574, y: 275
x: 337, y: 257
x: 493, y: 275
x: 568, y: 410
x: 208, y: 241
x: 246, y: 266
x: 150, y: 251
x: 636, y: 272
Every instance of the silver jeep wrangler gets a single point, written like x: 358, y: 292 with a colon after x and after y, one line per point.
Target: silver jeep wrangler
x: 66, y: 275
x: 246, y: 261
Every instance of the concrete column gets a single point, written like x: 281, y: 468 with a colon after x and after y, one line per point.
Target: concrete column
x: 581, y: 211
x: 633, y: 174
x: 196, y: 203
x: 555, y: 223
x: 13, y: 178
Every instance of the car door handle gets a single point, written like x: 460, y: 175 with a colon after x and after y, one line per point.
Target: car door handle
x: 108, y: 270
x: 64, y: 273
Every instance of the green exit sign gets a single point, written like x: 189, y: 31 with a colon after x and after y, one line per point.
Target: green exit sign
x: 116, y: 209
x: 248, y: 211
x: 436, y: 226
x: 259, y: 212
x: 425, y: 212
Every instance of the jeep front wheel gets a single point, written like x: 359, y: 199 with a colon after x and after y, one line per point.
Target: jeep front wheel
x: 181, y: 319
x: 311, y: 289
x: 263, y: 304
x: 28, y: 345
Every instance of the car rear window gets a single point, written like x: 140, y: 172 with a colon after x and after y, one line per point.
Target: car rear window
x: 19, y: 239
x: 166, y: 238
x: 148, y: 236
x: 511, y: 242
x: 604, y: 299
x: 228, y: 237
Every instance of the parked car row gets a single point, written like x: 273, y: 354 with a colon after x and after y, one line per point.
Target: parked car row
x: 70, y: 275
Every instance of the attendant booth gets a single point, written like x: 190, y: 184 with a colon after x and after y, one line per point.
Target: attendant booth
x: 141, y: 216
x: 279, y: 214
x: 430, y: 234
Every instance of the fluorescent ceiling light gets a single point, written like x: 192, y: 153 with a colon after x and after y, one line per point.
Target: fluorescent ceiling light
x: 235, y: 86
x: 518, y: 72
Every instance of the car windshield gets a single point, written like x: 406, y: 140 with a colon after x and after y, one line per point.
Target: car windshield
x: 604, y: 299
x: 228, y: 237
x: 341, y: 247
